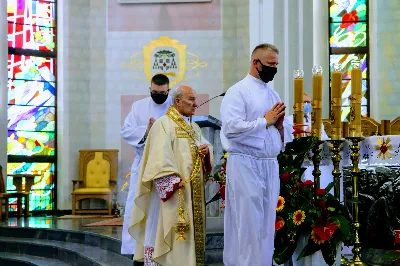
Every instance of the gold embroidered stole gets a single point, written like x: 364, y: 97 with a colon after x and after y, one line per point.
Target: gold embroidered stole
x: 184, y: 130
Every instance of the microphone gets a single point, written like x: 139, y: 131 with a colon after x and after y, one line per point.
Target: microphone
x: 221, y: 95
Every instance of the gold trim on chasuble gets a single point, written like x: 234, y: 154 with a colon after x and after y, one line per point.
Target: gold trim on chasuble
x: 197, y: 199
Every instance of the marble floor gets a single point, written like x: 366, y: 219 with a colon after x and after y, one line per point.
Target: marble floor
x: 66, y: 224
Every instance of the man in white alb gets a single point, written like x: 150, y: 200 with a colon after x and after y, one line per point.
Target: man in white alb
x: 252, y: 117
x: 135, y: 130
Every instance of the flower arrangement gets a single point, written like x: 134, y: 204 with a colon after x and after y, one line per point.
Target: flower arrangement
x: 220, y: 178
x: 306, y: 211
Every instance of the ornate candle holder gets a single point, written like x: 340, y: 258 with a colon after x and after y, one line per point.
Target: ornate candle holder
x: 336, y: 158
x: 355, y: 158
x: 316, y: 158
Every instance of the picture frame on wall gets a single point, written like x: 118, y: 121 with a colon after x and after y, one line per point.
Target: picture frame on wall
x: 160, y: 1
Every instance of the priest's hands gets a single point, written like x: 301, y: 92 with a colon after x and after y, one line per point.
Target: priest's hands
x: 279, y: 122
x: 203, y: 148
x: 275, y: 113
x: 149, y: 125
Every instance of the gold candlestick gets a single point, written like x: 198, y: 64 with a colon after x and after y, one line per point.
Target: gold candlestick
x: 355, y: 109
x: 336, y: 103
x: 336, y: 158
x: 355, y: 158
x: 316, y: 162
x: 298, y: 115
x: 316, y: 114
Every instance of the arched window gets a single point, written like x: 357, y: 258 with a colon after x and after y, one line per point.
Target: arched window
x: 348, y: 39
x: 31, y: 113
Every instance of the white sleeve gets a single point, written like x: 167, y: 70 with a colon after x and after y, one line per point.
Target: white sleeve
x: 131, y: 132
x: 235, y: 127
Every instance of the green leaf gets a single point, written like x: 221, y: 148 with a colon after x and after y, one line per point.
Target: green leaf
x: 329, y: 186
x: 353, y: 200
x: 328, y: 249
x: 331, y: 209
x: 284, y: 254
x: 309, y: 249
x: 344, y: 225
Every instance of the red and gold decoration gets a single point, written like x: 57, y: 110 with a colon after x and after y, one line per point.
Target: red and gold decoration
x: 384, y: 148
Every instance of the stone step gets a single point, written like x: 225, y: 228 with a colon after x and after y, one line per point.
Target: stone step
x: 14, y: 259
x: 214, y: 256
x: 72, y: 253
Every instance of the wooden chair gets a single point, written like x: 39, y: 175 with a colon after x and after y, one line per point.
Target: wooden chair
x: 4, y: 198
x: 98, y: 170
x: 395, y: 126
x: 369, y: 127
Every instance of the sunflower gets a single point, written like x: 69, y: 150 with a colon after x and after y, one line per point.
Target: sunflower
x: 226, y: 155
x: 315, y: 237
x: 280, y: 204
x: 298, y: 217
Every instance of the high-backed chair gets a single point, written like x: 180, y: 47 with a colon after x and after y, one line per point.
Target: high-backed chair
x: 98, y: 170
x: 4, y: 198
x: 395, y: 126
x: 369, y: 127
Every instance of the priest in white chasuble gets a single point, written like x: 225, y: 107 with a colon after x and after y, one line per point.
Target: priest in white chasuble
x: 252, y: 131
x: 170, y: 190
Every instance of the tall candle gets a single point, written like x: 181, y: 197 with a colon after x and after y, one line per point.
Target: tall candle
x: 355, y: 109
x: 336, y: 103
x: 316, y: 114
x: 298, y: 116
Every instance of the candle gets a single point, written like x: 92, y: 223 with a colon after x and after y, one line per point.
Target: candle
x: 316, y: 114
x: 336, y: 103
x: 355, y: 109
x: 298, y: 116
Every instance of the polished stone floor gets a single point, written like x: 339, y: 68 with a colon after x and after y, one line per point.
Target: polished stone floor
x: 66, y: 224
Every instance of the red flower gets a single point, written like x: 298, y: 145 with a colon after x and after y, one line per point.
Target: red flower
x: 308, y: 183
x: 279, y: 223
x: 397, y: 238
x: 300, y: 185
x: 326, y: 229
x: 349, y: 19
x: 322, y: 204
x: 285, y: 177
x: 222, y: 190
x: 321, y: 192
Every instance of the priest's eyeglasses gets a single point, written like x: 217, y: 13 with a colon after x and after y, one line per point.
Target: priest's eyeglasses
x: 159, y: 92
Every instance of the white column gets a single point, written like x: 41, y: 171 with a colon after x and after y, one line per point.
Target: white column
x: 374, y: 78
x: 321, y: 47
x: 3, y: 84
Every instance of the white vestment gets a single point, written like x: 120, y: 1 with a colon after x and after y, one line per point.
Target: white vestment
x: 132, y: 132
x: 252, y: 173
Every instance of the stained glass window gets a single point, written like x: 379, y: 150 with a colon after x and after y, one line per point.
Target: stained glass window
x: 31, y: 112
x: 348, y: 38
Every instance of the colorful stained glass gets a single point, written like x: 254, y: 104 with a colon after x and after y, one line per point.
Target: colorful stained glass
x: 352, y: 34
x: 30, y: 143
x: 42, y: 194
x: 345, y: 61
x: 347, y: 10
x: 31, y: 12
x: 39, y: 93
x: 31, y: 96
x: 31, y: 68
x: 31, y: 118
x: 31, y: 37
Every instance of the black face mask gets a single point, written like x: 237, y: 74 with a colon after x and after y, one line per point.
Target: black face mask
x: 267, y: 73
x: 159, y: 98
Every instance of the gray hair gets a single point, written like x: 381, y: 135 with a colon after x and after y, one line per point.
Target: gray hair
x: 177, y: 93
